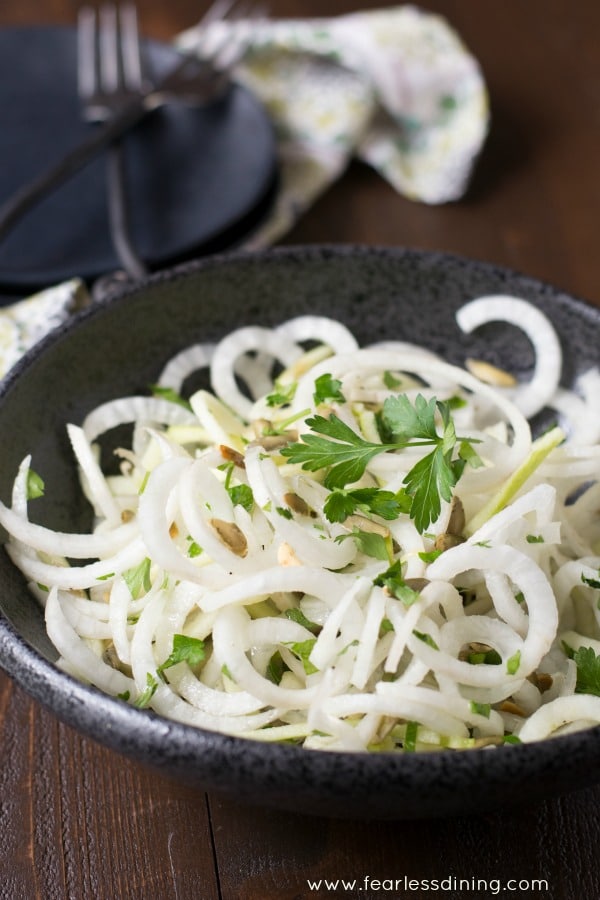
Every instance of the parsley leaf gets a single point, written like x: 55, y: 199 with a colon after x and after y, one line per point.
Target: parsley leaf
x: 426, y: 638
x: 282, y: 394
x: 333, y: 445
x: 343, y: 503
x: 369, y: 543
x: 428, y: 482
x: 429, y: 556
x: 588, y: 671
x: 35, y: 485
x: 591, y: 582
x: 303, y: 649
x: 275, y: 668
x: 296, y: 615
x: 407, y: 421
x: 394, y: 583
x: 327, y: 388
x: 241, y: 495
x: 194, y: 549
x: 137, y: 578
x: 185, y: 649
x: 391, y: 381
x: 481, y: 709
x: 346, y: 455
x: 512, y: 664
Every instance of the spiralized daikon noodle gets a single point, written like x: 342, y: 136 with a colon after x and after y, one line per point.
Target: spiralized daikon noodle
x: 397, y: 590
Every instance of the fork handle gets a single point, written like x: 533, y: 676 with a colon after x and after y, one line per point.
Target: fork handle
x: 24, y: 199
x: 118, y: 213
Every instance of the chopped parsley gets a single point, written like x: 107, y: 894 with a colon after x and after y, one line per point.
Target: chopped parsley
x: 512, y: 664
x: 241, y: 495
x: 394, y: 583
x: 369, y: 543
x: 342, y: 503
x: 426, y: 638
x: 327, y: 388
x: 588, y: 669
x: 35, y: 485
x: 481, y: 709
x: 282, y: 394
x: 185, y: 649
x: 303, y: 649
x: 276, y: 668
x: 137, y: 578
x: 591, y: 582
x: 296, y: 615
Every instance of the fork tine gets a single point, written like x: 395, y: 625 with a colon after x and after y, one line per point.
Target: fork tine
x: 86, y: 42
x: 131, y: 54
x: 108, y: 37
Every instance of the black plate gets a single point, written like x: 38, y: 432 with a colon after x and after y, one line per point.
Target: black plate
x: 378, y: 294
x: 199, y: 179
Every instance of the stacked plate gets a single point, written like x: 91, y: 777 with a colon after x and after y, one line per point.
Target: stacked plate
x: 199, y: 179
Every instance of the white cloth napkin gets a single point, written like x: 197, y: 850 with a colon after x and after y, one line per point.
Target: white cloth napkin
x: 394, y: 87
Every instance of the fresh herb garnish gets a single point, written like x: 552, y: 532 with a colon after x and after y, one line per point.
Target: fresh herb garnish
x: 343, y: 503
x: 333, y: 445
x: 194, y: 549
x: 275, y: 668
x: 303, y: 649
x: 429, y: 556
x: 394, y: 583
x: 185, y: 649
x: 588, y: 669
x: 137, y: 578
x: 481, y: 709
x: 284, y: 512
x: 512, y: 664
x: 591, y: 582
x: 296, y: 615
x: 327, y: 388
x: 426, y: 638
x: 282, y: 394
x: 241, y: 495
x: 391, y: 381
x: 35, y: 485
x: 368, y: 542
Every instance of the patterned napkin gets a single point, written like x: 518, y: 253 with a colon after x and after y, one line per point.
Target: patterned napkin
x: 394, y: 87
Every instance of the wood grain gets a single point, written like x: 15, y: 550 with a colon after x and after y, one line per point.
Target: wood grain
x: 76, y: 820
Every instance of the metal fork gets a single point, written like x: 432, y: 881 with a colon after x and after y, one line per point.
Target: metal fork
x: 196, y: 79
x: 110, y: 74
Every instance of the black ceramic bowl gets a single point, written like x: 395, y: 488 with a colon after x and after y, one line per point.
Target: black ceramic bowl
x: 120, y: 347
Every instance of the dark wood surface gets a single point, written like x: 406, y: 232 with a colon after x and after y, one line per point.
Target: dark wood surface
x: 77, y: 821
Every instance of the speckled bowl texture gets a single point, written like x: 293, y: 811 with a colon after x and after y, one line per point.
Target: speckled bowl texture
x: 119, y: 347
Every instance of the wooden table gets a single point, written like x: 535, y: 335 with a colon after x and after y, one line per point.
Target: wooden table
x: 77, y: 821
